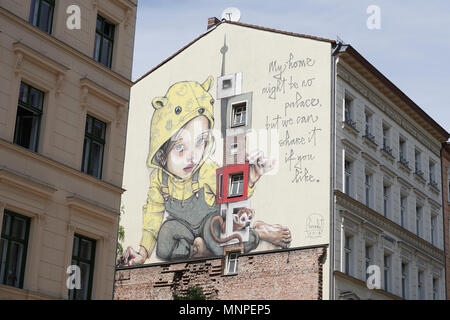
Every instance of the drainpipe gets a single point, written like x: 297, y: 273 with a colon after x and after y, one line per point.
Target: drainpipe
x: 334, y: 61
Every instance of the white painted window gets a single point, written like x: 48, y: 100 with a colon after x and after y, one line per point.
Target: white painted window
x: 386, y: 200
x: 420, y: 286
x: 348, y: 254
x: 403, y: 211
x: 239, y: 114
x: 368, y: 258
x: 348, y: 168
x: 402, y: 151
x: 387, y: 264
x: 434, y: 229
x: 368, y: 189
x: 236, y: 184
x: 419, y: 210
x: 435, y: 288
x: 418, y: 162
x: 232, y: 263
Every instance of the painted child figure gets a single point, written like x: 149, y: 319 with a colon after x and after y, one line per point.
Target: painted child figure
x: 183, y: 182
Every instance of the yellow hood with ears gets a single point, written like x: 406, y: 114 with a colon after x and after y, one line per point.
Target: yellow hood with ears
x: 183, y: 102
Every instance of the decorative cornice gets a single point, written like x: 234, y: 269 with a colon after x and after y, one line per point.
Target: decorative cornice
x: 90, y: 87
x: 22, y: 51
x: 42, y: 159
x: 92, y: 208
x: 388, y: 226
x: 351, y: 146
x: 26, y: 183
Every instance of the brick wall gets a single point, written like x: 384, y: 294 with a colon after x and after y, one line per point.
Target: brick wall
x: 293, y: 274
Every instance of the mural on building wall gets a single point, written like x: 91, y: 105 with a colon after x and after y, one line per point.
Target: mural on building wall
x: 198, y: 204
x: 183, y: 184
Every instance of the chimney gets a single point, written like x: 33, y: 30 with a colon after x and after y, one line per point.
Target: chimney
x: 213, y: 21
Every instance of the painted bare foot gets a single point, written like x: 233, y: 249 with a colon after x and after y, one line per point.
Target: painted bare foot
x: 200, y: 249
x: 274, y: 233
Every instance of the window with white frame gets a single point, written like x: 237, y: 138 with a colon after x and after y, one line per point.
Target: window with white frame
x: 403, y: 210
x: 348, y: 109
x: 348, y: 168
x: 387, y: 265
x: 386, y: 200
x: 387, y: 139
x: 348, y: 254
x: 405, y: 280
x: 402, y: 151
x: 435, y: 288
x: 236, y: 184
x: 368, y: 125
x: 368, y: 187
x: 239, y: 114
x: 419, y: 210
x: 420, y: 286
x: 434, y: 229
x: 418, y: 162
x: 231, y: 263
x: 368, y: 257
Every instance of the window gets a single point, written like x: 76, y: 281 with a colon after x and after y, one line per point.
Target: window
x: 387, y: 272
x: 368, y: 128
x: 368, y: 258
x: 41, y: 14
x: 226, y: 84
x: 419, y: 221
x: 348, y: 254
x: 386, y: 200
x: 348, y: 109
x: 435, y: 288
x: 28, y: 119
x: 236, y: 184
x: 417, y: 162
x: 13, y: 249
x: 387, y: 138
x: 239, y: 113
x: 420, y: 286
x: 104, y: 41
x: 402, y: 151
x: 405, y: 281
x: 368, y: 189
x: 403, y: 212
x: 348, y: 177
x: 432, y: 173
x: 232, y: 263
x: 83, y: 256
x: 94, y: 145
x: 434, y: 229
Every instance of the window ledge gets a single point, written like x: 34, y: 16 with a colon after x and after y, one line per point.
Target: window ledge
x: 93, y: 208
x: 350, y: 126
x: 370, y: 141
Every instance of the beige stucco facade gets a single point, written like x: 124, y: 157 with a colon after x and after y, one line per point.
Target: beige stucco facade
x: 48, y: 186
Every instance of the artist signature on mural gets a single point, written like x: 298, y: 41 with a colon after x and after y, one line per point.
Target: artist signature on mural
x: 314, y: 225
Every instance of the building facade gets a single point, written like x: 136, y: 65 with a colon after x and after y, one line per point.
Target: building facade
x: 64, y: 93
x: 388, y: 208
x: 356, y: 171
x: 446, y: 205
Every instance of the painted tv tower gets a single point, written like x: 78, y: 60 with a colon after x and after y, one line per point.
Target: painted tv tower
x: 233, y: 176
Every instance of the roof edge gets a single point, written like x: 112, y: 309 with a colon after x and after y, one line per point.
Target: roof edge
x: 355, y: 54
x: 298, y: 35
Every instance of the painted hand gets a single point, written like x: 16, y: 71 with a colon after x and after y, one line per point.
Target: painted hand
x: 258, y: 166
x: 132, y: 257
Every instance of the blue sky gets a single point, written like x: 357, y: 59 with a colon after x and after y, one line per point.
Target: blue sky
x: 412, y: 48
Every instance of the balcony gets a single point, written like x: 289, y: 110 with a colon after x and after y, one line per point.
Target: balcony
x: 386, y: 151
x: 369, y: 139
